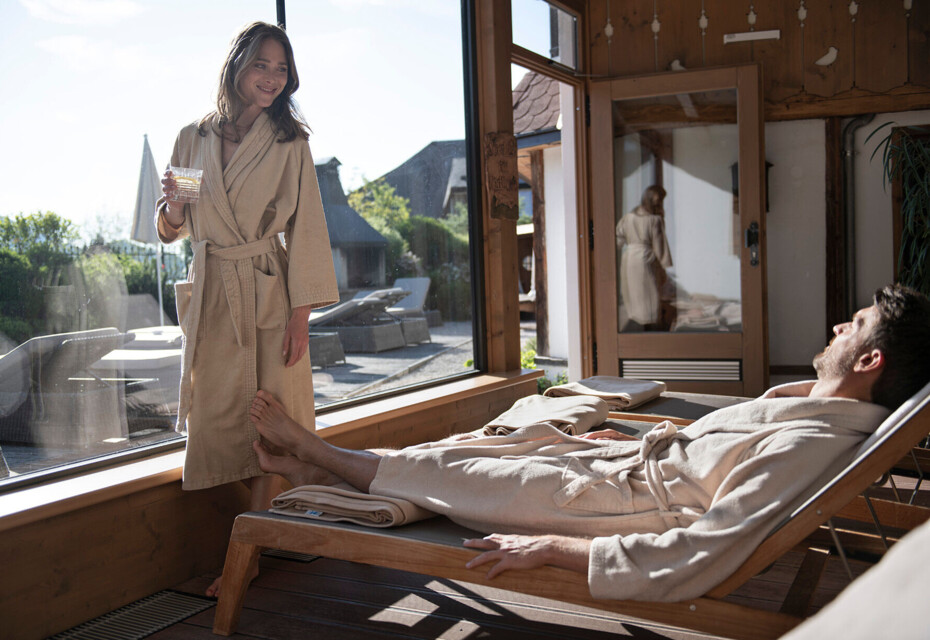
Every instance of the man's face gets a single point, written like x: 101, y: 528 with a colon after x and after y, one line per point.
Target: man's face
x: 838, y: 359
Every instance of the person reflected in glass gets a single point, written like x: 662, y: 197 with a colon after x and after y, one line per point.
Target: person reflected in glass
x: 644, y: 257
x: 245, y: 307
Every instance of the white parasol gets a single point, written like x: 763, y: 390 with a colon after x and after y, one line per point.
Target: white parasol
x: 143, y: 222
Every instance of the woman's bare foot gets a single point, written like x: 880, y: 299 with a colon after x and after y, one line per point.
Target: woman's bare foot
x: 296, y: 471
x: 275, y: 426
x: 213, y: 591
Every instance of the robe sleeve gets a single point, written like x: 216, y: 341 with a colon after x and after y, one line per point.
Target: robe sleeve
x: 686, y: 562
x: 166, y: 233
x: 311, y: 276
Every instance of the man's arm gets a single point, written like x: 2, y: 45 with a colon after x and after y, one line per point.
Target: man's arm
x: 529, y: 552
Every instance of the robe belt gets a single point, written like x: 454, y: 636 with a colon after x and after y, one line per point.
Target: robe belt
x: 236, y: 267
x: 235, y: 261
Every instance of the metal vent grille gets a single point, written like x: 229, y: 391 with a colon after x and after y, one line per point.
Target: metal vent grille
x: 681, y: 369
x: 139, y: 619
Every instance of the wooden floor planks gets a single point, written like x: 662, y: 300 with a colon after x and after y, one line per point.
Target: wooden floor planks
x: 342, y: 600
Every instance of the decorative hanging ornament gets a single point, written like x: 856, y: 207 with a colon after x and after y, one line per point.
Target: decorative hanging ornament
x: 853, y: 9
x: 609, y: 30
x: 751, y: 17
x: 802, y: 13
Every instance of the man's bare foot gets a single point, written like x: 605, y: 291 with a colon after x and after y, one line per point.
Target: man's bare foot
x: 213, y: 591
x: 297, y: 472
x: 275, y: 426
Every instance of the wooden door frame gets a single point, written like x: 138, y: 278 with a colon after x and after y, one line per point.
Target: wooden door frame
x: 751, y: 345
x: 544, y: 66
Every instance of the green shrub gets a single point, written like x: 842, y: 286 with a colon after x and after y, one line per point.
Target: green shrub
x: 20, y: 300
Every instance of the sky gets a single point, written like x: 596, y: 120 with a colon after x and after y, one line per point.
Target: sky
x: 85, y: 80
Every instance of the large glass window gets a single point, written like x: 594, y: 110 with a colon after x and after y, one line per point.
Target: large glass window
x: 89, y: 347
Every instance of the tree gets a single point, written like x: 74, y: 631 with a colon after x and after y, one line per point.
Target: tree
x: 388, y: 213
x: 379, y: 204
x: 45, y: 239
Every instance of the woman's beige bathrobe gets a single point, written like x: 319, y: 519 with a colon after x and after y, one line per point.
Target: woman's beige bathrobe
x: 641, y: 238
x: 671, y: 515
x: 240, y: 291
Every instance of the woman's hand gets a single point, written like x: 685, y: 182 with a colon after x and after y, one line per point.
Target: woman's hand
x: 296, y: 336
x: 529, y: 552
x: 174, y: 212
x: 607, y: 434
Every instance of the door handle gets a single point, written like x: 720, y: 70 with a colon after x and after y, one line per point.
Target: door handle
x: 752, y: 243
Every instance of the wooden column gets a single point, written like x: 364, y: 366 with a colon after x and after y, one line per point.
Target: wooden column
x: 539, y: 252
x: 495, y: 113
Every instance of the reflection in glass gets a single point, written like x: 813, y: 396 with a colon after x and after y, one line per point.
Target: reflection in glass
x: 677, y: 221
x: 545, y: 29
x: 87, y: 368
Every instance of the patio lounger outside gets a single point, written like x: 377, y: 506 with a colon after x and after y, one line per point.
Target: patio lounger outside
x: 433, y: 547
x: 362, y: 323
x: 413, y: 305
x: 67, y: 403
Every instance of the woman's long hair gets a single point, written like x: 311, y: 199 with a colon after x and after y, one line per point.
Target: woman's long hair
x: 285, y: 116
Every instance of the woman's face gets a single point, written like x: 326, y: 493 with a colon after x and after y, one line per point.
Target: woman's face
x: 266, y: 77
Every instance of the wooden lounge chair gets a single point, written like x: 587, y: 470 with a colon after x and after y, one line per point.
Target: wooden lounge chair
x: 433, y: 547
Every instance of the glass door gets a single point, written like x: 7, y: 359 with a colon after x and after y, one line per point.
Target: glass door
x: 679, y: 266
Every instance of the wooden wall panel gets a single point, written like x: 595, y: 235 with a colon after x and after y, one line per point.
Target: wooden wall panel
x: 918, y: 34
x: 870, y: 72
x: 726, y: 16
x: 783, y: 64
x: 70, y: 568
x: 679, y: 34
x: 828, y: 25
x: 881, y: 62
x: 633, y: 47
x: 597, y: 42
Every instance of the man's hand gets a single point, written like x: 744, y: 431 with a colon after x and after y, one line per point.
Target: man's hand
x: 296, y: 336
x: 529, y: 552
x: 606, y: 434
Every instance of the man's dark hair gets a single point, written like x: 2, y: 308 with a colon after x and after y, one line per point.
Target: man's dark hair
x: 902, y: 334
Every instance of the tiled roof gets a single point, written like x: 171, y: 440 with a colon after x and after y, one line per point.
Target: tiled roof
x: 346, y: 227
x: 535, y: 104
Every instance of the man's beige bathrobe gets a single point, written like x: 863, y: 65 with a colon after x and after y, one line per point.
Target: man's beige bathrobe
x: 240, y: 291
x: 671, y: 515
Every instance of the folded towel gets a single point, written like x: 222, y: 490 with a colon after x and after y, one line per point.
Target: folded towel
x: 619, y: 393
x: 344, y: 503
x: 573, y: 416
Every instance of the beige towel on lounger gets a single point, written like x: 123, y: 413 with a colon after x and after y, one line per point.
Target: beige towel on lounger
x: 344, y: 503
x: 619, y: 393
x: 573, y: 416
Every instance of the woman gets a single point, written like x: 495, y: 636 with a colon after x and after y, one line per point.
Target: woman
x: 641, y: 237
x: 245, y: 306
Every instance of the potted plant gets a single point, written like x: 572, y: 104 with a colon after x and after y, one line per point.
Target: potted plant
x: 906, y: 164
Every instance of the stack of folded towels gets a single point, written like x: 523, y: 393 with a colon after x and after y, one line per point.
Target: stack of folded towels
x: 620, y: 394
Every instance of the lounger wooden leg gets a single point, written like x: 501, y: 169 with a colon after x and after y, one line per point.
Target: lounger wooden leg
x: 801, y: 592
x: 240, y: 561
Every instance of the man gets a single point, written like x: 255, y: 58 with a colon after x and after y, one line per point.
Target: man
x: 665, y: 518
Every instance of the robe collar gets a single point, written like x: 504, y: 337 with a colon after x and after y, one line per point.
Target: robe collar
x: 259, y: 137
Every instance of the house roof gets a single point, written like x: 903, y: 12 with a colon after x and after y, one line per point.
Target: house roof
x: 426, y: 177
x: 346, y: 227
x: 535, y: 104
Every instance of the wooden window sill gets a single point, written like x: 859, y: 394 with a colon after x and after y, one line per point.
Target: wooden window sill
x: 54, y: 498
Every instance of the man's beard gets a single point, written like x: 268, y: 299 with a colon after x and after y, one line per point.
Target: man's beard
x: 831, y: 365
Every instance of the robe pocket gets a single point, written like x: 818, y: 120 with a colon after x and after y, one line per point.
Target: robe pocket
x: 182, y: 302
x: 270, y: 304
x: 594, y: 489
